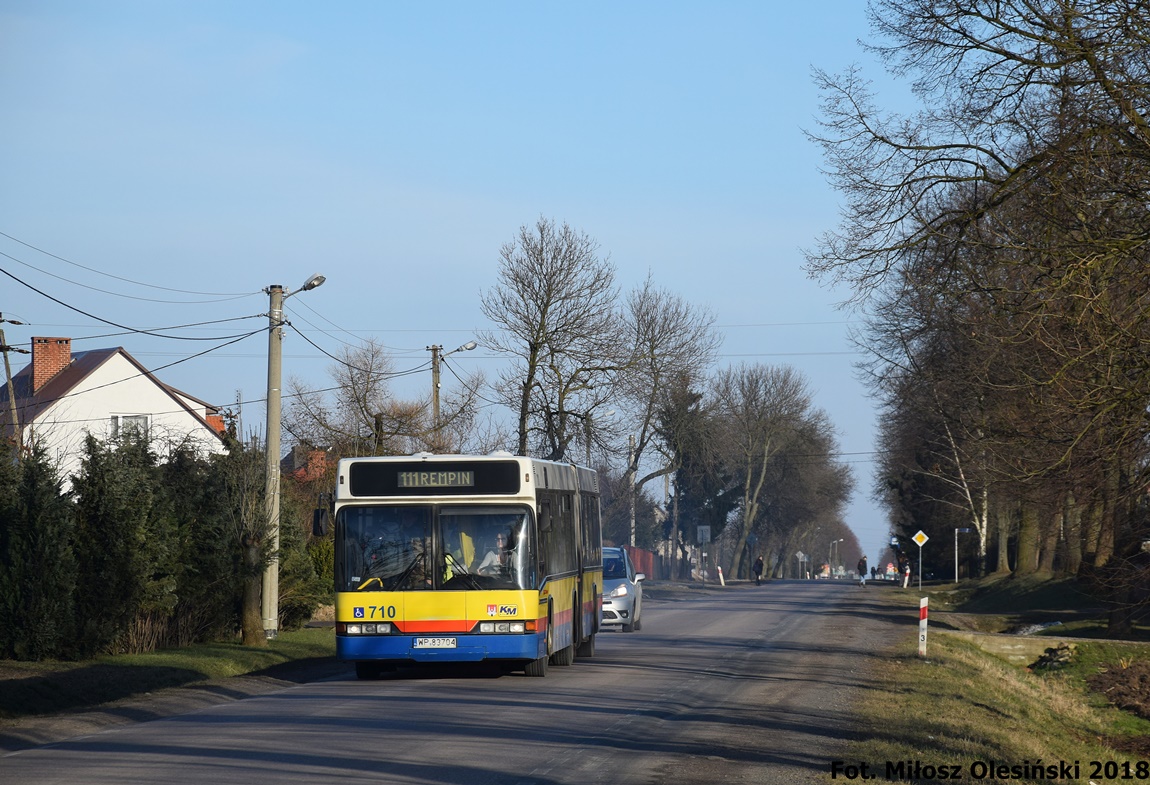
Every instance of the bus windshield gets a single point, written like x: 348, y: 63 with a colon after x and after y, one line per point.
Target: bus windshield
x: 411, y: 548
x: 488, y: 547
x: 384, y: 548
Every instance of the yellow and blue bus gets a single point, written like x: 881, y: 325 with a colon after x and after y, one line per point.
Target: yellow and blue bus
x: 458, y: 558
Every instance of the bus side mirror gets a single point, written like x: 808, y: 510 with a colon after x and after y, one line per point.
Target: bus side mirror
x: 319, y: 522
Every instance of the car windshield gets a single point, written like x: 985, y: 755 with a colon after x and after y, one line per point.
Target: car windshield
x: 614, y: 566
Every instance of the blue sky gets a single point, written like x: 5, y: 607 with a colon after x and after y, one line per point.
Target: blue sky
x: 210, y: 149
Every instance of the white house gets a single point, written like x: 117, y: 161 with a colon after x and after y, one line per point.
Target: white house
x: 62, y: 396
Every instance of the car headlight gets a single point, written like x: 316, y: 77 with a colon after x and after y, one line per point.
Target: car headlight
x: 620, y: 591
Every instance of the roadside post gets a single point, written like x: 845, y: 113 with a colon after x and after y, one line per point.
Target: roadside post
x: 956, y: 533
x: 920, y: 539
x: 703, y: 535
x: 922, y: 627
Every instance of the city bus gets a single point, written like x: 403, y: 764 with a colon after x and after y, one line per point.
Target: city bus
x: 460, y: 558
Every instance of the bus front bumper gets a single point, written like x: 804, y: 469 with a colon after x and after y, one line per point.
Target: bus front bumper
x: 468, y: 648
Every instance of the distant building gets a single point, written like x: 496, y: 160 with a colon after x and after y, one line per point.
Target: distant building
x: 62, y: 396
x: 305, y: 464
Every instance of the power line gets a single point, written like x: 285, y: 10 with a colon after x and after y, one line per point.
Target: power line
x: 784, y: 324
x: 232, y: 295
x: 106, y: 321
x: 147, y: 372
x: 418, y: 369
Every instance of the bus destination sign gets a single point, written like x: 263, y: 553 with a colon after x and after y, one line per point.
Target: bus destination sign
x: 369, y: 478
x: 443, y: 479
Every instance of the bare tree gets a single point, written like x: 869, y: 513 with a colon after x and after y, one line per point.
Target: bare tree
x: 358, y: 414
x: 761, y: 408
x: 555, y: 307
x: 673, y: 342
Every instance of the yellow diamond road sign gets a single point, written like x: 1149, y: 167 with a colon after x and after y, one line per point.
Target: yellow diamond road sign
x: 920, y: 538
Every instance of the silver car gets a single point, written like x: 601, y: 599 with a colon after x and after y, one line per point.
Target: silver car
x: 622, y: 591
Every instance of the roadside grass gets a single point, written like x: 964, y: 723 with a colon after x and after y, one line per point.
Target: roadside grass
x: 999, y: 603
x: 48, y: 687
x: 960, y: 706
x: 1025, y: 593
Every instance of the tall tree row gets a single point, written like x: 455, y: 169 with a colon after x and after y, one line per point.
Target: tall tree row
x: 998, y: 241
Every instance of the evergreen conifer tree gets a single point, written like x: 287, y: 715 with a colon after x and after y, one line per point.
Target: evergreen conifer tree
x: 116, y: 559
x: 37, y: 563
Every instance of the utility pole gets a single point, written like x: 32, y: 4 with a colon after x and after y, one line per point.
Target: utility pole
x: 587, y: 429
x: 271, y: 582
x: 270, y: 596
x: 435, y: 349
x: 631, y: 483
x: 17, y: 436
x: 437, y: 356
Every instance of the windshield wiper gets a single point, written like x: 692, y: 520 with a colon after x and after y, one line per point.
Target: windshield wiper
x: 403, y: 576
x: 461, y: 571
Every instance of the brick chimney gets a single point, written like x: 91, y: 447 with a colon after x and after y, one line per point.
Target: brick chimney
x: 49, y: 357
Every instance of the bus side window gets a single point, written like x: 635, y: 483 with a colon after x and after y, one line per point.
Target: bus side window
x: 544, y: 513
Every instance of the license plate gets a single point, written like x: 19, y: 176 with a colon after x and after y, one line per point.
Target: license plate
x: 435, y: 643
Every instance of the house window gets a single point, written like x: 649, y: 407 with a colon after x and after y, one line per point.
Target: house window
x: 124, y: 424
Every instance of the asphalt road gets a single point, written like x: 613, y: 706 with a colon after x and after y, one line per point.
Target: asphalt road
x: 752, y: 684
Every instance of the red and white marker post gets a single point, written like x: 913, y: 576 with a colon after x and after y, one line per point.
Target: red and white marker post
x: 922, y: 627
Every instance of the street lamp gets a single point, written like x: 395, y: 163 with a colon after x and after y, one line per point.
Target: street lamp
x: 270, y: 595
x: 436, y: 356
x: 834, y: 547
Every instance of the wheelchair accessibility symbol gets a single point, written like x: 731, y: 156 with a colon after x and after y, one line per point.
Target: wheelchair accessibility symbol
x: 357, y: 613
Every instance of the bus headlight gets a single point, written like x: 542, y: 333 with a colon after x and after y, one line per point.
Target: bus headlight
x: 358, y: 628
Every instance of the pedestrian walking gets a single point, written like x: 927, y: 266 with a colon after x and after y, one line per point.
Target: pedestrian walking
x: 757, y: 569
x: 904, y: 569
x: 862, y: 570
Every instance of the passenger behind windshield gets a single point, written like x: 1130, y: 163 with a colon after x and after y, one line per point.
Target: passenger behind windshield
x: 486, y: 548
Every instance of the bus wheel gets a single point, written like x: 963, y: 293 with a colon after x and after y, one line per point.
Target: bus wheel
x: 564, y: 657
x: 586, y: 648
x: 536, y: 668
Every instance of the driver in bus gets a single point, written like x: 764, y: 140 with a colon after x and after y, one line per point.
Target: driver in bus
x: 414, y: 549
x: 382, y: 554
x: 495, y: 562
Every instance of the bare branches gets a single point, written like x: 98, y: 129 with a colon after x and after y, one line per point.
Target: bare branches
x: 555, y: 307
x: 990, y: 75
x: 1000, y: 240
